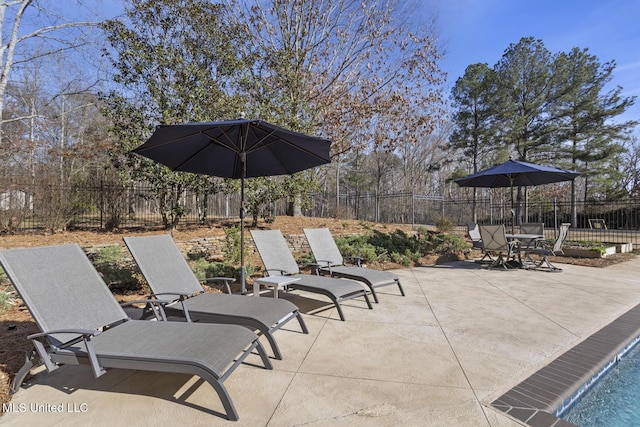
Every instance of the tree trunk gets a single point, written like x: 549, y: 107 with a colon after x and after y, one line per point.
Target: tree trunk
x: 295, y: 207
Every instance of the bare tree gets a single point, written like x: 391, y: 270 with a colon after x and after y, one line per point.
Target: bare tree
x: 363, y: 73
x: 46, y: 27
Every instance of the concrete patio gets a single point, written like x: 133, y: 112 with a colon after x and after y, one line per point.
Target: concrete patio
x: 461, y: 337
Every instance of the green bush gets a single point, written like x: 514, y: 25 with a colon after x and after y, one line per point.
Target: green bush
x: 114, y: 268
x: 357, y: 247
x: 449, y: 244
x: 203, y: 269
x: 444, y: 224
x: 232, y: 248
x: 305, y: 258
x: 398, y: 246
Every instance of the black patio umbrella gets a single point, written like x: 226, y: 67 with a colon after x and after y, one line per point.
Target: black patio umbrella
x: 235, y: 149
x: 515, y: 173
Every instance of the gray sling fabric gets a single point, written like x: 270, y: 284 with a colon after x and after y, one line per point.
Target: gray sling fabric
x: 46, y: 280
x: 168, y: 275
x: 63, y: 290
x: 278, y: 260
x: 494, y: 240
x: 330, y: 261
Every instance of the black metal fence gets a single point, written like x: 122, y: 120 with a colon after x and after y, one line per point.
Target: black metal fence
x: 25, y: 208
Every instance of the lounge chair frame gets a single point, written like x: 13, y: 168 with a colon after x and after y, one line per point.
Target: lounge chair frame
x: 278, y: 259
x: 82, y: 323
x: 331, y: 262
x: 170, y: 277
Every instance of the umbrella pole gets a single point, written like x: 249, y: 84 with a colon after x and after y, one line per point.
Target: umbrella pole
x: 243, y: 270
x: 513, y: 212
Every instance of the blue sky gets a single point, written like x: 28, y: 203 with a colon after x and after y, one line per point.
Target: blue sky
x: 473, y: 31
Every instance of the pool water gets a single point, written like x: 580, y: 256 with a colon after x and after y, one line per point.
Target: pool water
x: 613, y: 400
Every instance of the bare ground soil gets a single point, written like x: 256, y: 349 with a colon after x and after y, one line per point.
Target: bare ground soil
x: 16, y: 322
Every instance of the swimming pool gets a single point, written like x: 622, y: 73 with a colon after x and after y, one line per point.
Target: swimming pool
x: 613, y: 400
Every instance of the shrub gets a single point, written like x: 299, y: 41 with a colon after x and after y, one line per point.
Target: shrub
x: 115, y: 270
x: 449, y: 243
x: 203, y: 269
x: 305, y: 258
x: 444, y: 224
x: 357, y: 247
x: 232, y: 248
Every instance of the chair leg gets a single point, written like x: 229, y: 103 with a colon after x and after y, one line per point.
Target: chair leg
x: 547, y: 265
x: 400, y: 287
x: 22, y: 373
x: 366, y: 298
x: 274, y: 346
x: 484, y: 259
x: 302, y: 323
x: 373, y: 293
x: 339, y: 308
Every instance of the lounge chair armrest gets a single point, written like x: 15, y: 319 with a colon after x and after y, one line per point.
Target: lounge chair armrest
x: 275, y: 270
x: 180, y: 295
x: 83, y: 332
x: 85, y: 336
x: 147, y: 301
x: 225, y: 280
x: 155, y: 305
x: 220, y: 279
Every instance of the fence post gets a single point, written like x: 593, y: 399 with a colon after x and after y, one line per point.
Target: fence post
x: 490, y: 208
x: 555, y: 218
x: 413, y: 210
x: 101, y: 202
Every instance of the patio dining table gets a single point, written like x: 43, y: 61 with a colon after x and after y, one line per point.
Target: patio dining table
x: 526, y: 242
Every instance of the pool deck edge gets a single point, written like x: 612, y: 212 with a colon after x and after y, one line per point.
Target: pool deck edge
x: 553, y: 388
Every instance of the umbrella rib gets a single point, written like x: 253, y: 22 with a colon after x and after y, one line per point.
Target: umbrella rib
x: 259, y: 145
x: 226, y: 145
x: 160, y: 144
x: 212, y: 140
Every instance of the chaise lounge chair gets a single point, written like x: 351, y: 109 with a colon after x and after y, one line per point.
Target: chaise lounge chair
x: 331, y: 262
x: 278, y: 260
x: 170, y: 277
x: 82, y: 323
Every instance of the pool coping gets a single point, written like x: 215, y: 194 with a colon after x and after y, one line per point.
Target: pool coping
x: 539, y: 399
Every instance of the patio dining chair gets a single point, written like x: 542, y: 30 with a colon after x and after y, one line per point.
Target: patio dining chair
x: 476, y: 241
x: 170, y: 277
x: 278, y: 260
x: 545, y: 252
x: 531, y: 228
x: 494, y: 240
x: 82, y: 323
x: 330, y: 262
